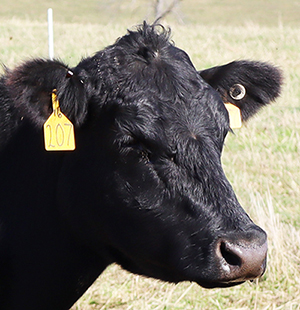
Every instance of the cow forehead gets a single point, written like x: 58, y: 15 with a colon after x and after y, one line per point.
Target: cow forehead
x: 147, y: 60
x: 156, y: 86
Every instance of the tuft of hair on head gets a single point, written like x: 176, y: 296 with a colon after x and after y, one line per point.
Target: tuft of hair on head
x: 147, y: 40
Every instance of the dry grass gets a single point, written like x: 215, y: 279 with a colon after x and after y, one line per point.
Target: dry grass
x: 208, y: 12
x: 261, y: 160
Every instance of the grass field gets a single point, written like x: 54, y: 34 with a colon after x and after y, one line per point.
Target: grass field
x: 261, y: 160
x: 208, y: 12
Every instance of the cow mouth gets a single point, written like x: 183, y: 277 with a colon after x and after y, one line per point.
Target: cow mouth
x: 211, y: 285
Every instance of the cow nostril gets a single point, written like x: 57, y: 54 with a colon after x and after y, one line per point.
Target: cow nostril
x: 241, y: 260
x: 230, y: 257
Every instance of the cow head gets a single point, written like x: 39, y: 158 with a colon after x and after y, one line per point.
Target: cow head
x: 145, y: 187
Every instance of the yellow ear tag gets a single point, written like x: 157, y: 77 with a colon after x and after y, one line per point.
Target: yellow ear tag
x: 235, y: 117
x: 58, y: 130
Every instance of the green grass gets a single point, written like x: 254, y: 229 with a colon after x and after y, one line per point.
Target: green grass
x: 261, y: 160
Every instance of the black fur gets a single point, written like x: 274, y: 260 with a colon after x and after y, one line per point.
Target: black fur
x: 31, y: 84
x: 145, y: 186
x: 261, y: 81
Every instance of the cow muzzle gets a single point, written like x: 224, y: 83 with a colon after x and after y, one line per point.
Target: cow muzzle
x: 241, y: 258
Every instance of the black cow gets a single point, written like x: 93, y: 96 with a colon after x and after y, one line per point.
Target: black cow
x: 144, y: 187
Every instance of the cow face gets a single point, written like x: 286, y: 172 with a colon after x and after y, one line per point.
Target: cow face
x: 145, y: 187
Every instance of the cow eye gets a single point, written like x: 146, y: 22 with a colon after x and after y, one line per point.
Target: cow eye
x: 148, y: 152
x: 143, y: 152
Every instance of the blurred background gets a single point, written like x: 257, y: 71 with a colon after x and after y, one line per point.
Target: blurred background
x: 208, y: 12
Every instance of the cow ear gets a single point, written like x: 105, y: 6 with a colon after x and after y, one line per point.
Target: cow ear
x: 249, y: 85
x: 31, y: 84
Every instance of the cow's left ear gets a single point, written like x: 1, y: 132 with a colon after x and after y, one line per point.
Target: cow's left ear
x: 31, y: 85
x: 249, y: 85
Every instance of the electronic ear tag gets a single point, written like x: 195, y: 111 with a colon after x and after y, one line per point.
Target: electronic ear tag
x: 58, y: 130
x: 235, y: 117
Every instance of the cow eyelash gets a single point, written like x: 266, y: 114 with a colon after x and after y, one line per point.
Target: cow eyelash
x: 146, y: 154
x: 134, y: 144
x: 142, y: 151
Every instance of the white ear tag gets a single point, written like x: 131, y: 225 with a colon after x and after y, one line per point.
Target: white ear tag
x: 58, y: 130
x: 235, y: 116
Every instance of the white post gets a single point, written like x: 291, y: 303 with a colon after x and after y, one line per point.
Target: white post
x: 50, y: 33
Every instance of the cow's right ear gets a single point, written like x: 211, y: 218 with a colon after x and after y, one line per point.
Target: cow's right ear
x: 249, y: 85
x: 31, y: 84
